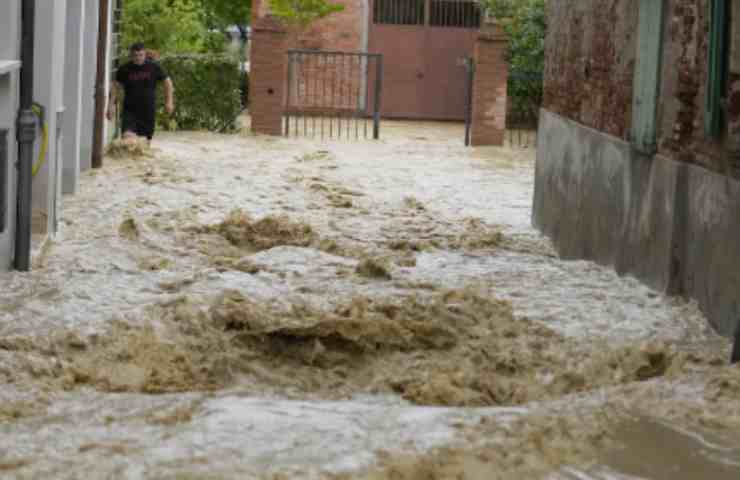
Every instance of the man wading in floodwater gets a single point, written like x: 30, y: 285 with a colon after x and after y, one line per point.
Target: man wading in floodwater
x: 139, y: 79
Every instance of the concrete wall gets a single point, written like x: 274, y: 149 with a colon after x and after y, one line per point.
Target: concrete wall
x: 672, y: 224
x: 64, y: 79
x: 90, y: 45
x: 49, y: 92
x: 73, y: 83
x: 669, y: 219
x: 9, y: 50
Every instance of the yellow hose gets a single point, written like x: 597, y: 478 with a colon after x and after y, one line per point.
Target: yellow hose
x: 44, y: 141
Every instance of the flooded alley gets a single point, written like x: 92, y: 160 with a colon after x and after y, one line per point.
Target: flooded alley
x: 238, y: 306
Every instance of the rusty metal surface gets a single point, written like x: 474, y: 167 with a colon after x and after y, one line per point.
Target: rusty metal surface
x: 424, y: 77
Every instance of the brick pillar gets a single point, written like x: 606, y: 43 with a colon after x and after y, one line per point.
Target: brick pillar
x: 489, y: 87
x: 268, y: 66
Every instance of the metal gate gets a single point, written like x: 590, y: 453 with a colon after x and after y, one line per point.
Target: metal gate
x: 333, y: 94
x: 522, y: 113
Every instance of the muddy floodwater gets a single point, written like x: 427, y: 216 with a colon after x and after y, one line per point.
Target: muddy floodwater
x: 232, y: 306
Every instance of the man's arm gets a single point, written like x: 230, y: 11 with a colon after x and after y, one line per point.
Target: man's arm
x: 115, y: 87
x: 169, y: 95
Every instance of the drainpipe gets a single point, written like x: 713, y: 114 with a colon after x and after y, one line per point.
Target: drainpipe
x: 26, y: 137
x: 97, y: 153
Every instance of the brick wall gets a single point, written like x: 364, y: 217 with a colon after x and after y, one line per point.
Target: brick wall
x: 590, y: 52
x: 589, y: 65
x: 341, y: 31
x: 684, y: 89
x: 267, y: 79
x: 489, y: 88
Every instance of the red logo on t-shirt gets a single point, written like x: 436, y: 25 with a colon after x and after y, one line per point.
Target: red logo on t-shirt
x: 138, y: 76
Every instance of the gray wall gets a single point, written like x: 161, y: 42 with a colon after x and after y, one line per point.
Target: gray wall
x: 671, y: 224
x: 9, y: 50
x: 73, y: 88
x: 90, y: 44
x: 48, y: 91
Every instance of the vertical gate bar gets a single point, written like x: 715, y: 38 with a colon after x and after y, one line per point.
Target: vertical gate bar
x: 323, y: 92
x: 330, y: 103
x: 358, y: 100
x: 3, y: 180
x: 366, y: 106
x: 337, y: 90
x: 348, y: 90
x: 340, y: 93
x: 378, y: 94
x: 312, y: 102
x: 287, y: 100
x: 470, y: 72
x: 350, y: 59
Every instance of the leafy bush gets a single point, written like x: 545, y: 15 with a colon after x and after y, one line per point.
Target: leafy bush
x: 245, y: 89
x: 208, y: 93
x: 525, y: 23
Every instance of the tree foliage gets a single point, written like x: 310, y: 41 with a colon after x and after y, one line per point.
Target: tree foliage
x: 170, y: 26
x: 301, y: 13
x: 525, y: 23
x: 224, y: 13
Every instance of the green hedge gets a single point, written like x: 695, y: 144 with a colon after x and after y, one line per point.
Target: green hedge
x: 208, y: 93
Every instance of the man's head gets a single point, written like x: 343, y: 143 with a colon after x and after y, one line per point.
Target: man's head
x: 137, y: 52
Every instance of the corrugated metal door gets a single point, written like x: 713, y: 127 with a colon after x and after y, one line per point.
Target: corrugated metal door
x: 423, y: 43
x: 398, y: 33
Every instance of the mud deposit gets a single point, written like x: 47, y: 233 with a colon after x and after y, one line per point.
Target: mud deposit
x: 247, y: 307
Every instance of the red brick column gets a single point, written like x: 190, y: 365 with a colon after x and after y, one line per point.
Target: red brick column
x: 268, y: 64
x: 489, y: 87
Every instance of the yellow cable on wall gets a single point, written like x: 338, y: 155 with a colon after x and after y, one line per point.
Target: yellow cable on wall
x: 38, y: 110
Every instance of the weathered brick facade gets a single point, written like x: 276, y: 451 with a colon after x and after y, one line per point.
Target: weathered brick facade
x: 589, y: 75
x: 590, y: 52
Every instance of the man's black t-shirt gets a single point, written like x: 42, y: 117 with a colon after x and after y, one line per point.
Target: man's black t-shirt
x: 140, y: 93
x: 140, y: 85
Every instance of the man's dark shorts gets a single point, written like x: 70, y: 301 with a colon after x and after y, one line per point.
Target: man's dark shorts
x: 141, y: 125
